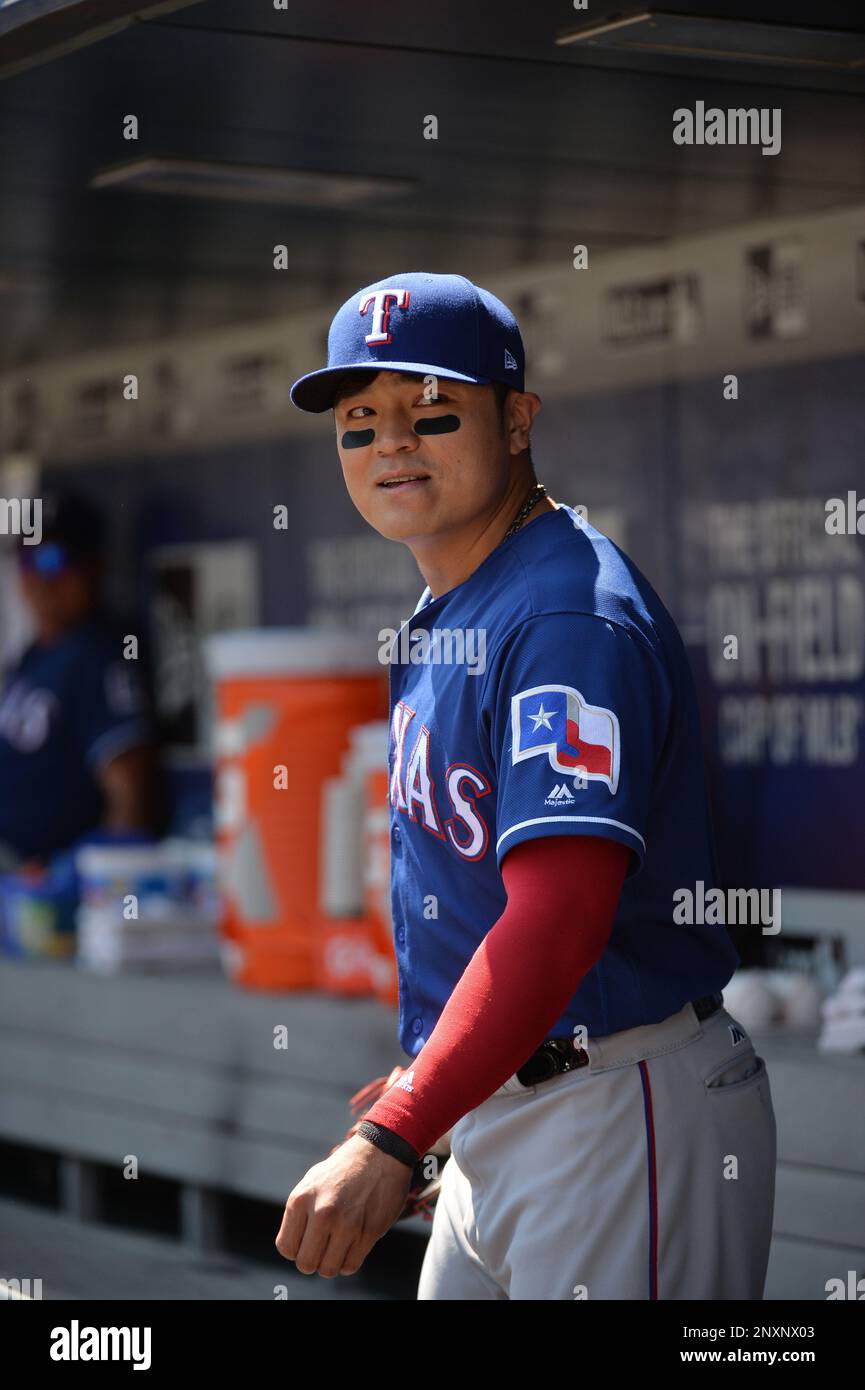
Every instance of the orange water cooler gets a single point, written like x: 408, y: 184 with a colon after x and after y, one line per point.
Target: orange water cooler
x: 356, y: 939
x: 286, y: 701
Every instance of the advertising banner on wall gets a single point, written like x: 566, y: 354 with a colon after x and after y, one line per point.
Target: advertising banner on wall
x: 771, y: 540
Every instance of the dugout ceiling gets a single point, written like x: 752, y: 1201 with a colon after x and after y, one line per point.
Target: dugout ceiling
x: 539, y: 146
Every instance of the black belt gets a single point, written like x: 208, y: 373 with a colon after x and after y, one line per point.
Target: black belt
x: 557, y: 1055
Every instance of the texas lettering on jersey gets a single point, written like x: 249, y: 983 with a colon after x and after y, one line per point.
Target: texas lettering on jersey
x: 412, y: 790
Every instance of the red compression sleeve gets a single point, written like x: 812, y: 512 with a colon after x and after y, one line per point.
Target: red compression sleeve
x: 562, y: 896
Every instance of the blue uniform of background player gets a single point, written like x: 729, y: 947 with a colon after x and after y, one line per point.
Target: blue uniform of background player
x: 76, y: 742
x: 66, y: 711
x: 610, y: 1125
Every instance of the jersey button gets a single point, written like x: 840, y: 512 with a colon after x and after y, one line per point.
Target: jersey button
x: 396, y: 835
x: 400, y: 935
x: 417, y: 1025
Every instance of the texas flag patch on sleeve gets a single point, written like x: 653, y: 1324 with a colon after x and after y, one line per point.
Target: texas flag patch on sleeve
x: 577, y: 713
x: 578, y: 738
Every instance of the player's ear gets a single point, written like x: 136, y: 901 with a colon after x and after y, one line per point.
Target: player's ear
x: 521, y: 410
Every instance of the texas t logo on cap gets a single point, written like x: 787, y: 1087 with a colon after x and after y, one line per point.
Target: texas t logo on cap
x: 381, y: 301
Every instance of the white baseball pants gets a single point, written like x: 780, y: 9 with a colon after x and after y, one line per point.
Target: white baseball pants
x: 647, y: 1174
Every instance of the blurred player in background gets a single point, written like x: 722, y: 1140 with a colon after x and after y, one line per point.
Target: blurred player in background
x: 76, y: 745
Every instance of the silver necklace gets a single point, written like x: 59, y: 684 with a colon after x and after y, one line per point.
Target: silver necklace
x: 534, y: 497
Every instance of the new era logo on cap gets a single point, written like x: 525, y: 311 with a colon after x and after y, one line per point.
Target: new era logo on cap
x: 439, y: 325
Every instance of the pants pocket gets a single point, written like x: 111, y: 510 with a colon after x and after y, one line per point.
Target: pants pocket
x: 735, y: 1073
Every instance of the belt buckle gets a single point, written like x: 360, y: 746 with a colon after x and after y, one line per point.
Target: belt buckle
x: 707, y: 1006
x: 552, y: 1058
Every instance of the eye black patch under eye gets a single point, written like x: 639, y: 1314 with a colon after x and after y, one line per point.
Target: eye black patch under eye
x: 357, y: 439
x: 437, y: 424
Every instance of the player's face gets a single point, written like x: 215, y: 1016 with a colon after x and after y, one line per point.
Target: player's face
x: 59, y: 601
x: 452, y: 441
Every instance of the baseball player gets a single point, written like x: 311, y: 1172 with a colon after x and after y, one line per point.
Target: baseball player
x: 611, y: 1127
x: 77, y: 750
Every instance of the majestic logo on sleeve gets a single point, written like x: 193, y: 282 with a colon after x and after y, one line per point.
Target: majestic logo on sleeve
x: 576, y: 736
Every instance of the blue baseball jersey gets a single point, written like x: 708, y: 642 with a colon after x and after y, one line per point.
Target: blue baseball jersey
x: 548, y: 694
x: 65, y: 710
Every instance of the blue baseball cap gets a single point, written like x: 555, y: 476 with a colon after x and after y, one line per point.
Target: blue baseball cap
x: 440, y: 325
x: 47, y: 558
